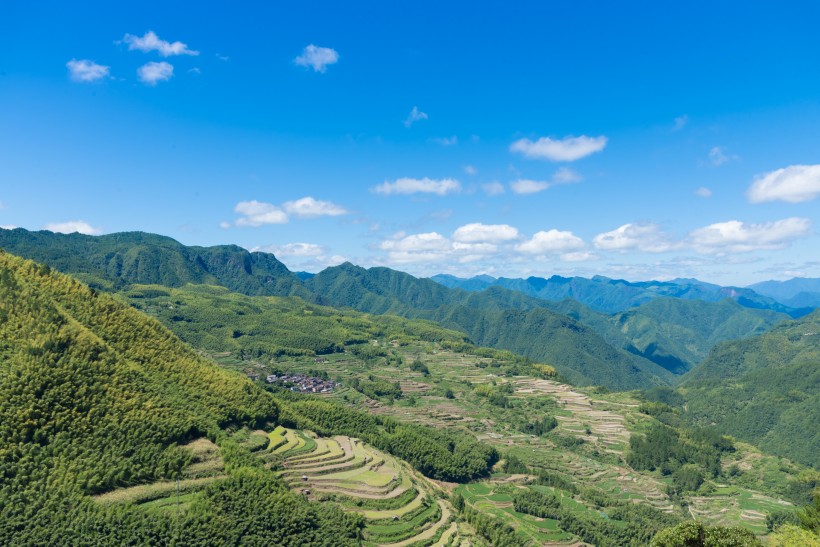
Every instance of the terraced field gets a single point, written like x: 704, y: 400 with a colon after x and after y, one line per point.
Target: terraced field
x: 400, y: 507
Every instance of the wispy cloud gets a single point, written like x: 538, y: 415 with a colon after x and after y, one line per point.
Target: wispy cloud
x: 152, y: 73
x: 718, y: 156
x: 72, y: 226
x: 415, y: 116
x: 703, y: 192
x: 151, y: 42
x: 567, y: 149
x: 564, y: 175
x: 680, y: 122
x: 445, y: 141
x: 493, y: 188
x: 735, y: 236
x: 85, y: 70
x: 424, y: 185
x: 793, y: 184
x: 317, y: 58
x: 470, y: 170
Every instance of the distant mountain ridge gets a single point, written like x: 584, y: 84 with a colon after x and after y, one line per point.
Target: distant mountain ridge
x: 796, y: 292
x: 616, y: 295
x: 638, y: 350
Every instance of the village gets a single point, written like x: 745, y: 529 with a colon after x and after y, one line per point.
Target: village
x: 303, y: 384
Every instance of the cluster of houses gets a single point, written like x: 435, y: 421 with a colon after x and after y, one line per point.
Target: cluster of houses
x: 302, y: 383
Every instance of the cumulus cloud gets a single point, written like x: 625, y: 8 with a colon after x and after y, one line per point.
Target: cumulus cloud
x: 85, y: 70
x: 308, y: 207
x: 257, y: 213
x: 72, y: 226
x: 793, y: 184
x: 567, y: 149
x: 485, y: 233
x: 527, y: 186
x: 680, y: 122
x: 151, y: 42
x: 493, y: 188
x: 549, y: 242
x: 415, y: 116
x: 703, y: 192
x: 317, y: 58
x: 735, y: 236
x: 425, y: 185
x: 645, y: 237
x: 427, y: 247
x: 151, y: 73
x: 578, y: 256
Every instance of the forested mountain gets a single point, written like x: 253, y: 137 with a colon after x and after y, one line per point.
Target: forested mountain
x: 615, y: 295
x: 94, y: 395
x: 676, y: 334
x: 116, y: 260
x: 765, y: 389
x: 497, y: 318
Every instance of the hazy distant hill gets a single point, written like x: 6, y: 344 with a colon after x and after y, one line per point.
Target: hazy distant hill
x: 615, y: 295
x: 795, y: 292
x: 765, y: 389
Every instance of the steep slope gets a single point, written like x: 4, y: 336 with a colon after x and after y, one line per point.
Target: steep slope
x: 94, y: 395
x: 497, y: 318
x: 765, y: 389
x: 120, y: 259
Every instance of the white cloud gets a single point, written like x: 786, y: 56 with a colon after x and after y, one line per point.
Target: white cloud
x: 71, y: 226
x: 317, y: 58
x: 294, y: 249
x: 680, y: 122
x: 446, y: 141
x: 425, y: 185
x: 578, y: 256
x: 428, y: 247
x: 566, y: 149
x: 85, y: 70
x: 470, y: 170
x: 256, y: 213
x: 151, y: 73
x: 565, y: 175
x: 8, y: 226
x: 645, y: 237
x: 493, y: 188
x: 735, y: 236
x: 225, y: 225
x: 526, y: 186
x: 414, y: 116
x: 793, y: 184
x: 485, y: 233
x: 703, y: 192
x: 718, y: 156
x: 552, y: 241
x: 308, y: 207
x: 151, y: 42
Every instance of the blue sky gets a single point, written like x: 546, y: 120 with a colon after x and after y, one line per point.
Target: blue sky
x: 535, y: 138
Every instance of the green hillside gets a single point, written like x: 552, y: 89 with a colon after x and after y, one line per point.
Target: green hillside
x: 496, y: 318
x: 116, y: 260
x: 765, y: 389
x: 93, y: 396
